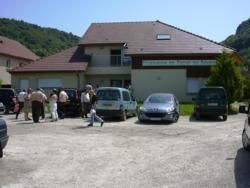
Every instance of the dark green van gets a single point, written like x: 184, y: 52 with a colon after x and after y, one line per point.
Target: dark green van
x: 211, y: 101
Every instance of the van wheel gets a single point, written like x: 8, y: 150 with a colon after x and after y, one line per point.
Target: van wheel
x: 1, y: 152
x: 224, y: 117
x: 124, y: 116
x: 245, y: 141
x: 6, y: 111
x: 197, y: 116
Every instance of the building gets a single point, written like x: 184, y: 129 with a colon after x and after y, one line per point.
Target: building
x: 12, y: 54
x: 149, y: 56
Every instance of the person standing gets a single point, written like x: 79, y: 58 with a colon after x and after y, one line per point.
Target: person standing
x: 53, y: 105
x: 94, y: 117
x: 85, y: 101
x: 27, y: 104
x: 37, y: 99
x: 63, y: 97
x: 43, y: 106
x: 20, y: 99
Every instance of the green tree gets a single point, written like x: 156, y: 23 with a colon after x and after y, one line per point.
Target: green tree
x: 227, y: 74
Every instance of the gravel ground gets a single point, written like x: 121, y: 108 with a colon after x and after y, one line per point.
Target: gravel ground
x: 127, y: 154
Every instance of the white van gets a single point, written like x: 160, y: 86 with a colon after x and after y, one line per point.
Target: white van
x: 115, y: 102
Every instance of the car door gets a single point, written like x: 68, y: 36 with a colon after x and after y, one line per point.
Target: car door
x: 126, y: 101
x: 247, y: 123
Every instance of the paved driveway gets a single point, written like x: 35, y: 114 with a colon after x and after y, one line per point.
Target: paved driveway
x: 125, y: 154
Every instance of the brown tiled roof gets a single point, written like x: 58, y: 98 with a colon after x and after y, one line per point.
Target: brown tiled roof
x: 71, y: 59
x: 141, y: 38
x: 13, y: 48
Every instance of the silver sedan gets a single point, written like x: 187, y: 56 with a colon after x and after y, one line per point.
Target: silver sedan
x: 160, y: 106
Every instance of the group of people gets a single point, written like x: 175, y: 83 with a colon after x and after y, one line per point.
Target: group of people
x: 57, y: 100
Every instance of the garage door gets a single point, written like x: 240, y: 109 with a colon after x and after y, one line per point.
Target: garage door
x: 50, y: 83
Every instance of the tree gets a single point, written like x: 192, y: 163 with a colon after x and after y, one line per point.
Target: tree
x: 227, y: 74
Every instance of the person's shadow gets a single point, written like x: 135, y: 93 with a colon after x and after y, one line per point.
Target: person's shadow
x: 242, y: 169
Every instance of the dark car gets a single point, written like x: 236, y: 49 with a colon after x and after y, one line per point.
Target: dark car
x: 3, y: 136
x: 211, y: 101
x: 246, y: 130
x: 8, y: 97
x: 73, y: 106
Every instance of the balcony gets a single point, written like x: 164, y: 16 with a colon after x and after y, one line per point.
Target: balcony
x: 109, y: 64
x: 110, y: 61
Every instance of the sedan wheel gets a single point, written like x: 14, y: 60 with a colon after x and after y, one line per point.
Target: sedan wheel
x: 175, y: 117
x: 245, y: 141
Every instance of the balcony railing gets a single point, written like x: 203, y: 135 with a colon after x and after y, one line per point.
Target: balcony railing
x: 110, y: 61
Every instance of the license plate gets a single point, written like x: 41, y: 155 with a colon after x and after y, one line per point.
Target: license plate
x: 212, y: 104
x: 155, y: 119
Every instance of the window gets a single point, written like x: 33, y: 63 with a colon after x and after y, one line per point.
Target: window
x: 125, y: 96
x: 194, y: 84
x: 163, y: 37
x: 126, y: 83
x: 8, y: 63
x: 24, y: 84
x: 116, y: 83
x: 115, y: 59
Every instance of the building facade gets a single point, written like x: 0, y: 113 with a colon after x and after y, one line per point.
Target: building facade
x: 12, y: 54
x: 147, y: 56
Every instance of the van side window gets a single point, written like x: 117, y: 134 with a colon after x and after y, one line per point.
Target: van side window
x: 126, y: 96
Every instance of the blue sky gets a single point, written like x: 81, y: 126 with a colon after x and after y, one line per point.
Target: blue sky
x: 214, y: 19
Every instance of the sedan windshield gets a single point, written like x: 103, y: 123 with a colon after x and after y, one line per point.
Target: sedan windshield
x: 159, y: 99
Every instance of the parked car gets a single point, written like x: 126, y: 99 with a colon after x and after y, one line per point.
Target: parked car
x: 211, y: 101
x: 160, y: 106
x: 73, y: 106
x: 246, y: 130
x: 8, y: 96
x: 3, y: 136
x: 2, y: 108
x: 115, y: 102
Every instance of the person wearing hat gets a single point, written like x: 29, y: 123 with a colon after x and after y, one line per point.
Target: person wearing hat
x: 37, y: 99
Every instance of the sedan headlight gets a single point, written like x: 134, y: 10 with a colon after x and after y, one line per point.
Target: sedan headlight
x: 170, y: 109
x: 142, y: 109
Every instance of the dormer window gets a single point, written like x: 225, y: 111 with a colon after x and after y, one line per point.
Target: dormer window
x: 163, y: 37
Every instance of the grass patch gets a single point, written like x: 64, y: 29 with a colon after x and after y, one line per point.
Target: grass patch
x: 186, y: 109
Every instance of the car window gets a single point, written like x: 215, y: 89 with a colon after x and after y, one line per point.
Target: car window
x: 126, y: 96
x: 108, y: 95
x: 159, y: 99
x: 212, y: 94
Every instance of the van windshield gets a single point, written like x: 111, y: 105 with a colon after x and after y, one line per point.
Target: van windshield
x: 212, y: 94
x: 108, y: 95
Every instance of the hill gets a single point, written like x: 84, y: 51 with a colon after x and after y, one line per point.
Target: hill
x: 241, y: 40
x: 42, y: 41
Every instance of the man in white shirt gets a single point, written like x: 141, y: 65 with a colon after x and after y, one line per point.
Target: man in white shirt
x: 20, y: 99
x: 85, y: 101
x: 63, y: 97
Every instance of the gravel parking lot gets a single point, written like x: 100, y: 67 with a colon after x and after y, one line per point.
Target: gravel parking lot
x: 66, y: 153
